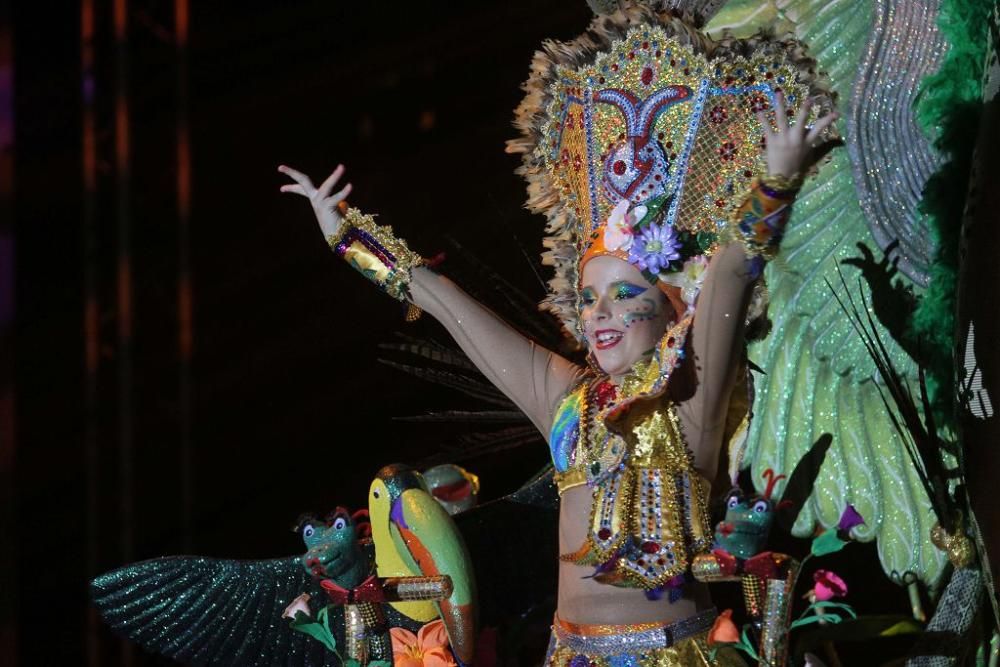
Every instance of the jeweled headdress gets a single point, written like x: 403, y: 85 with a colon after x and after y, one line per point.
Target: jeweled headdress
x: 644, y: 125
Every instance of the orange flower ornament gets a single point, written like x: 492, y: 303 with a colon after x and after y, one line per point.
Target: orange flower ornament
x: 723, y: 631
x: 427, y: 648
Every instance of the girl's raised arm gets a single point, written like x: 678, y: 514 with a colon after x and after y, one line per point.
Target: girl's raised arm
x: 531, y: 376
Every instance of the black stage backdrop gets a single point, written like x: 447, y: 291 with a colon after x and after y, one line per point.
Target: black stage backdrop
x: 281, y: 406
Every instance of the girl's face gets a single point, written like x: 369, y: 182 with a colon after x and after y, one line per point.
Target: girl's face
x: 623, y: 315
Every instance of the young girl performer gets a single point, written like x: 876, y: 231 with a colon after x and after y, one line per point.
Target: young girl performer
x: 667, y: 166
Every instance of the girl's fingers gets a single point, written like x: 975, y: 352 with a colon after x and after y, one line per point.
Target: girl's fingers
x: 765, y: 125
x: 819, y: 126
x: 298, y: 177
x: 803, y: 114
x: 779, y: 112
x: 295, y: 189
x: 339, y: 197
x: 331, y: 180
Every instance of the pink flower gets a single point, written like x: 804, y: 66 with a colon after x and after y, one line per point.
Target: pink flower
x: 300, y: 603
x: 618, y: 232
x: 428, y: 648
x: 828, y: 585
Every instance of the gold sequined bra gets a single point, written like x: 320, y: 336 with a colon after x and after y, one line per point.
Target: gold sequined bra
x: 649, y: 516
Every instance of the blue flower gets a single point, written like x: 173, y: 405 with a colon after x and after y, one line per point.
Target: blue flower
x: 654, y: 248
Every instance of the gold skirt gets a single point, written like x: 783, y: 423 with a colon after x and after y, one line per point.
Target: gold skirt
x: 679, y: 644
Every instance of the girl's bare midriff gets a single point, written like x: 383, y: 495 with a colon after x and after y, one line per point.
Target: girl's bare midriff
x: 586, y: 602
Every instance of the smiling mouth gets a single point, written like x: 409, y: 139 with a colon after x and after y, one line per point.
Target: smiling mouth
x: 607, y: 338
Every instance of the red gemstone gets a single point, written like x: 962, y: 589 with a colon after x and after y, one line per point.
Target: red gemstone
x: 670, y: 342
x: 619, y: 167
x: 650, y: 547
x: 614, y: 67
x: 659, y: 53
x: 645, y: 45
x: 604, y: 533
x: 647, y: 76
x: 631, y: 55
x: 606, y: 392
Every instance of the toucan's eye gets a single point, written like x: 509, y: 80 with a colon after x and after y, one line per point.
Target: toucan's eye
x: 339, y: 523
x: 375, y: 493
x: 760, y: 506
x: 733, y: 502
x: 308, y: 531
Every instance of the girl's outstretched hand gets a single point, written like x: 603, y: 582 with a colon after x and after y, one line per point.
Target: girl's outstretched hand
x: 794, y: 148
x: 325, y: 205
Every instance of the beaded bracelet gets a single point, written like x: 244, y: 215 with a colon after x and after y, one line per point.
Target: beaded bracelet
x: 375, y: 252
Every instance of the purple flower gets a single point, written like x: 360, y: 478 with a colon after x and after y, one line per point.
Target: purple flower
x: 849, y: 519
x: 654, y: 247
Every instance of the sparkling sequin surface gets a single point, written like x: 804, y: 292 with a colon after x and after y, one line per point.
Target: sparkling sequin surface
x: 652, y: 100
x: 210, y: 611
x: 891, y: 157
x: 819, y: 376
x: 207, y: 611
x: 679, y: 644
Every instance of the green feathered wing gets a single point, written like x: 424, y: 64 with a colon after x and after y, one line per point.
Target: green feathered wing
x: 819, y: 377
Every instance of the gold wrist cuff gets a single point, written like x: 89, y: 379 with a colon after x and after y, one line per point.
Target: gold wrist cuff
x: 375, y: 252
x: 781, y: 184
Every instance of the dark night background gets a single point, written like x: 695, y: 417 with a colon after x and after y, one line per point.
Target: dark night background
x: 289, y: 410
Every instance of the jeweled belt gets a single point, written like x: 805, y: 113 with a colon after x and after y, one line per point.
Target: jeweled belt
x: 618, y: 639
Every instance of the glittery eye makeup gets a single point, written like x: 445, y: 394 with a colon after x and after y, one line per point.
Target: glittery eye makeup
x: 626, y: 290
x: 587, y: 297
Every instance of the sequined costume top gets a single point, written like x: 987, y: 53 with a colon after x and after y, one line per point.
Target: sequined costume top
x: 649, y: 515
